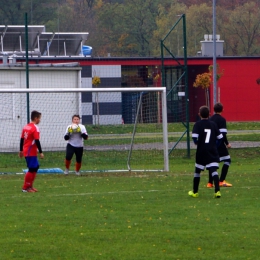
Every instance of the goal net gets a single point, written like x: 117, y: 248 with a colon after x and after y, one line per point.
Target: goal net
x: 127, y: 127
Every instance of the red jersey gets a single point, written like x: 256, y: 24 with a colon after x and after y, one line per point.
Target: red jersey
x: 30, y: 133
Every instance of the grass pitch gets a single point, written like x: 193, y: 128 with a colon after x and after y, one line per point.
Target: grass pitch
x: 130, y: 216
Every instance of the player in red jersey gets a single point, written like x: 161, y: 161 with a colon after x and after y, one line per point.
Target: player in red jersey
x: 29, y: 146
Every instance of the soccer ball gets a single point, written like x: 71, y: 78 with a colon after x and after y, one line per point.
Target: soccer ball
x: 74, y: 128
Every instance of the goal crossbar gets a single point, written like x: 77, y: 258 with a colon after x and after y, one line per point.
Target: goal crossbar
x: 67, y: 90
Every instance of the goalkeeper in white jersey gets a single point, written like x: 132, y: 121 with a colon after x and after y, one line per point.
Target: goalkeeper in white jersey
x: 75, y: 135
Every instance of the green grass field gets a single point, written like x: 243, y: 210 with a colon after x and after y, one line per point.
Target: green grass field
x: 94, y: 160
x: 132, y: 216
x: 172, y: 127
x: 245, y: 131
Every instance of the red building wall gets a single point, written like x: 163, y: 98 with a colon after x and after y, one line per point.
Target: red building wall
x: 239, y: 92
x: 238, y: 89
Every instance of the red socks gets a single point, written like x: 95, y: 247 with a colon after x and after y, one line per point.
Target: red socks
x: 67, y: 164
x: 34, y: 175
x: 28, y: 180
x: 78, y: 166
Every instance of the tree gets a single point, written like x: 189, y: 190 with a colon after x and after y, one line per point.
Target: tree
x: 135, y: 28
x: 39, y: 12
x: 110, y: 29
x: 95, y: 82
x: 74, y: 16
x: 167, y: 17
x: 199, y: 22
x: 129, y: 26
x: 141, y: 23
x: 230, y: 4
x: 204, y: 81
x: 244, y: 30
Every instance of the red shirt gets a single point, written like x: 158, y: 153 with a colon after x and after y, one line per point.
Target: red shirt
x: 30, y: 133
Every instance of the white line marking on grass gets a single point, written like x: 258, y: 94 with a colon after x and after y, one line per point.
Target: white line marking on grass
x: 126, y: 192
x: 248, y: 187
x: 94, y: 193
x: 109, y: 192
x: 132, y: 191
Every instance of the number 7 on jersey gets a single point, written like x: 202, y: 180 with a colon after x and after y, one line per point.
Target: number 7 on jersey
x: 208, y: 131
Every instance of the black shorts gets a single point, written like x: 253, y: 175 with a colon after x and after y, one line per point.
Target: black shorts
x: 207, y: 159
x: 223, y: 153
x: 71, y: 150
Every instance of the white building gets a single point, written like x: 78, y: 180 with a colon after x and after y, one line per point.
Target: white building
x: 56, y: 108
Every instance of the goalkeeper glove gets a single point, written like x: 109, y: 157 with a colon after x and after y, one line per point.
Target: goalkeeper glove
x: 66, y: 137
x: 78, y: 130
x: 84, y: 136
x: 70, y: 130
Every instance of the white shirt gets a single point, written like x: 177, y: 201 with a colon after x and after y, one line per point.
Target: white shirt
x: 75, y: 138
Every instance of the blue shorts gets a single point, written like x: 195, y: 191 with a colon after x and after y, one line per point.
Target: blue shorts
x: 32, y: 162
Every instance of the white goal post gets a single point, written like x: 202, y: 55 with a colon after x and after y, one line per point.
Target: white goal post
x: 57, y: 105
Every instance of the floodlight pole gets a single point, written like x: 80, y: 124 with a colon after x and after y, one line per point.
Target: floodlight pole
x: 215, y: 92
x: 27, y: 68
x: 186, y: 85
